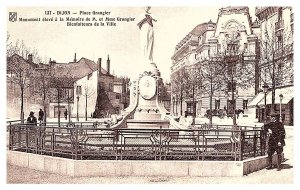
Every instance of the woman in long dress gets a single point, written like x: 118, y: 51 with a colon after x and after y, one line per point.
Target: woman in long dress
x: 147, y: 35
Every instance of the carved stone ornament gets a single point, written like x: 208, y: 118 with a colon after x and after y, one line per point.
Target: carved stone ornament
x: 147, y: 87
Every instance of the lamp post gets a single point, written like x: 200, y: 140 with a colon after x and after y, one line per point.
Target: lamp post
x: 265, y: 88
x: 77, y: 107
x: 281, y: 97
x: 173, y: 100
x: 176, y: 102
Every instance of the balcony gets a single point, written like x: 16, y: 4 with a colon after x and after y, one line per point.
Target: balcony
x: 284, y: 51
x: 279, y: 25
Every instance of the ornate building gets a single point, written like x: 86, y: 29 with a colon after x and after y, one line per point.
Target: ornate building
x: 210, y: 41
x: 276, y: 63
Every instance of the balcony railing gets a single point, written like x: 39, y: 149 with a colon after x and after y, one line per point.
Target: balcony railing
x: 284, y: 51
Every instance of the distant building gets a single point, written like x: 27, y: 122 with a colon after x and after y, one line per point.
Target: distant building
x: 81, y: 87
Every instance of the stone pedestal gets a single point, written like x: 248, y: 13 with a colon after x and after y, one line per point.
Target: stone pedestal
x: 147, y: 110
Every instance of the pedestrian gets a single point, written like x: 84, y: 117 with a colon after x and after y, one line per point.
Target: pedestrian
x: 276, y: 132
x: 41, y: 115
x: 32, y: 119
x: 66, y: 114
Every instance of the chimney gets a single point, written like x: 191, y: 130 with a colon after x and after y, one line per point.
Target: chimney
x: 99, y: 67
x: 75, y: 60
x: 108, y: 65
x: 30, y: 58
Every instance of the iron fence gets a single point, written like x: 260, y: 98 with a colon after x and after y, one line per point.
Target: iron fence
x: 88, y: 142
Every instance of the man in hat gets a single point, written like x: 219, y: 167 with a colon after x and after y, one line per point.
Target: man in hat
x: 32, y: 119
x: 276, y: 132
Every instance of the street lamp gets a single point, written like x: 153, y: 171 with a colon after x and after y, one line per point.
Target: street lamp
x: 265, y: 88
x: 281, y: 97
x: 77, y: 107
x: 173, y: 100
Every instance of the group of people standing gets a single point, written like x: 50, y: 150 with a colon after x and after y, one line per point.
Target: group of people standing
x: 32, y: 119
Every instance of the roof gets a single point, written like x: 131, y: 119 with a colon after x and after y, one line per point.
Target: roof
x: 201, y: 28
x: 78, y: 69
x: 18, y: 61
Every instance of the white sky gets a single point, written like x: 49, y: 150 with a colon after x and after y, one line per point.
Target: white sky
x: 57, y: 41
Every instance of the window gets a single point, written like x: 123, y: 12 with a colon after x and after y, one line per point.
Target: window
x: 89, y: 76
x: 279, y: 42
x: 231, y: 86
x: 245, y: 104
x: 217, y: 104
x: 118, y: 97
x: 78, y: 90
x: 110, y: 86
x: 101, y: 85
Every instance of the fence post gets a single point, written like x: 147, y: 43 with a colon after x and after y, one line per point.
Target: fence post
x: 242, y: 142
x: 10, y: 137
x: 254, y: 144
x: 160, y: 142
x: 262, y: 142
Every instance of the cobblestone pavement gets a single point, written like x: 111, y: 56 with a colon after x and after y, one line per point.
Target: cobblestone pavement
x: 20, y: 175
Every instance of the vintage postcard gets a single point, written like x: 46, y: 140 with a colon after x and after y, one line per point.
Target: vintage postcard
x: 150, y: 94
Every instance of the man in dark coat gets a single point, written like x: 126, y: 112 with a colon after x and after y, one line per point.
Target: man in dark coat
x: 32, y: 119
x: 41, y: 115
x: 276, y: 132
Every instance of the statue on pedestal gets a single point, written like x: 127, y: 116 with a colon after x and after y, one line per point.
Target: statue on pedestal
x: 147, y: 35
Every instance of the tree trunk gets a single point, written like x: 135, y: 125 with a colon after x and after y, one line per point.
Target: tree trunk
x: 58, y: 103
x: 22, y: 106
x: 86, y: 107
x: 210, y: 102
x: 181, y: 98
x: 44, y: 105
x: 69, y: 112
x: 194, y: 107
x: 273, y: 86
x: 233, y: 99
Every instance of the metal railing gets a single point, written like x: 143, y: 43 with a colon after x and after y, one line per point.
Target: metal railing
x: 79, y: 142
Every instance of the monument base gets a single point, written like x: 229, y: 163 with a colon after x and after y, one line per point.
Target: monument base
x: 149, y: 124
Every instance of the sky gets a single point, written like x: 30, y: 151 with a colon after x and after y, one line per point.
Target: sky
x: 60, y: 42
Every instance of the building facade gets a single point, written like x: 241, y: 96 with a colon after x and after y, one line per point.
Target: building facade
x: 276, y: 63
x: 205, y: 42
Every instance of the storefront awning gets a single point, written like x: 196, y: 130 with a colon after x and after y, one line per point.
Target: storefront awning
x: 287, y: 92
x: 256, y: 99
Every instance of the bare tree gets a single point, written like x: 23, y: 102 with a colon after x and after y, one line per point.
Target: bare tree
x: 276, y: 47
x: 43, y: 77
x: 239, y: 73
x: 179, y: 85
x: 21, y: 72
x: 193, y: 85
x: 211, y: 73
x: 87, y: 93
x: 61, y: 81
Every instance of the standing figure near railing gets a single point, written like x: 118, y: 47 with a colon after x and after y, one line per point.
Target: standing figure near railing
x: 41, y: 115
x: 32, y: 119
x: 275, y: 131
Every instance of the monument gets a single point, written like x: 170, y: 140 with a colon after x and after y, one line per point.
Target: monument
x: 146, y: 109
